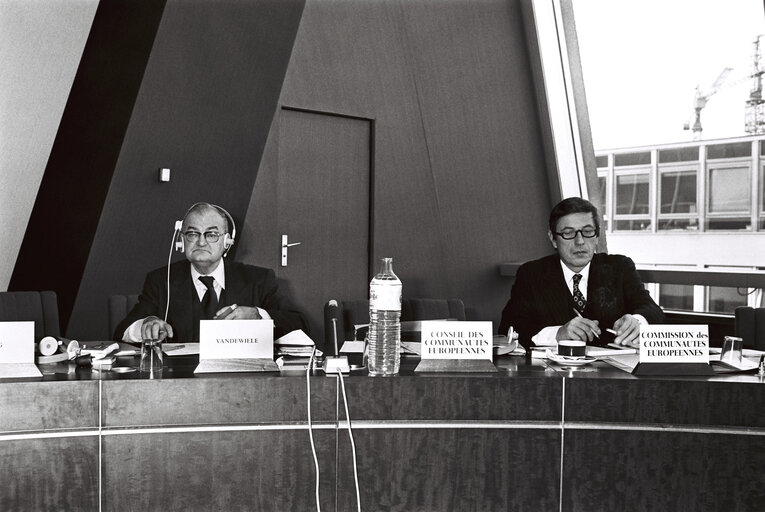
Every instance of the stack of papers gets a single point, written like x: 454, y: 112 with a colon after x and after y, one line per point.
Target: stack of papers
x: 295, y: 344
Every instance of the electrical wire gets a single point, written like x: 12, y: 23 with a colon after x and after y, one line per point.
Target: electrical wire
x: 310, y: 427
x: 353, y: 444
x: 169, y: 258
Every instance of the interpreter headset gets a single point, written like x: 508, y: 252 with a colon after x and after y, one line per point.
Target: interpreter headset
x: 178, y: 240
x: 228, y: 238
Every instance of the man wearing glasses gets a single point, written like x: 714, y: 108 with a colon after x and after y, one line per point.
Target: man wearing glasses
x: 576, y: 293
x: 206, y: 286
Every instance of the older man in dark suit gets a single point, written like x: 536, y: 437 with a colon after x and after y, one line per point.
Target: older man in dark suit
x: 206, y: 286
x: 576, y: 293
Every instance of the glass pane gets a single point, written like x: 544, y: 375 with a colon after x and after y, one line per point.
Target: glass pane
x: 603, y: 189
x: 733, y: 150
x: 678, y: 192
x: 725, y: 300
x: 601, y: 161
x: 632, y: 194
x: 678, y: 224
x: 676, y: 296
x: 643, y: 158
x: 733, y: 224
x: 729, y: 190
x: 632, y: 225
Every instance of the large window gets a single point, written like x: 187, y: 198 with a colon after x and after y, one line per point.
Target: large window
x: 728, y: 198
x: 676, y: 296
x: 678, y: 206
x: 725, y: 299
x: 632, y: 201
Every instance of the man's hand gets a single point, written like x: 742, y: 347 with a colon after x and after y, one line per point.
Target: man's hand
x: 578, y: 328
x: 154, y: 328
x: 627, y: 331
x: 235, y: 312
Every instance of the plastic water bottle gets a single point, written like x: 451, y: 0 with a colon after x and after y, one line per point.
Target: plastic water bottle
x: 384, y: 321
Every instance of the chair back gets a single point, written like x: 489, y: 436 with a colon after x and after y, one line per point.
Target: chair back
x: 119, y: 306
x: 750, y: 326
x: 40, y: 307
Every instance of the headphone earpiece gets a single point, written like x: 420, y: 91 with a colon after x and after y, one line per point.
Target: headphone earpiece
x: 228, y: 238
x: 179, y: 246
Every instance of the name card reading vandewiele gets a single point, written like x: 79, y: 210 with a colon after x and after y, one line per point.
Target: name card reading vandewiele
x: 674, y: 344
x: 443, y: 339
x: 228, y: 339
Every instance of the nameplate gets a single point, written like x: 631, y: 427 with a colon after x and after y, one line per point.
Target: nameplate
x: 17, y: 342
x: 456, y: 340
x: 231, y: 339
x: 674, y: 344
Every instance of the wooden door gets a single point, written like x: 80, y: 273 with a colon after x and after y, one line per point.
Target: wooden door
x: 324, y: 180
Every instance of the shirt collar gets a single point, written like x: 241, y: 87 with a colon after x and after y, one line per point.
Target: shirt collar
x: 218, y: 274
x: 568, y: 274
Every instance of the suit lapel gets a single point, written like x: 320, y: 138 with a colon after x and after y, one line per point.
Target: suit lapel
x: 234, y: 284
x: 559, y: 299
x: 182, y: 295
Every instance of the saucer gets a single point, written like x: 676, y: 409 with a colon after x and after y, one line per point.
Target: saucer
x: 571, y: 361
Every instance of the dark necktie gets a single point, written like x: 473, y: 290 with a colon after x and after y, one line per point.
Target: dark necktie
x: 210, y: 299
x: 579, y: 301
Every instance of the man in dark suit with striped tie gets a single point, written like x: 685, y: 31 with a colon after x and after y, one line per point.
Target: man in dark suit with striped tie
x: 206, y: 286
x: 578, y: 293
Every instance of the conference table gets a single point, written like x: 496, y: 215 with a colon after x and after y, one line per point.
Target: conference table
x: 535, y: 435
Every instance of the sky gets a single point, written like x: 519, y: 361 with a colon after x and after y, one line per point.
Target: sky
x: 642, y: 61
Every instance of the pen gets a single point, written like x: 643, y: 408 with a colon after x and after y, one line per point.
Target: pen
x: 607, y: 330
x: 226, y: 311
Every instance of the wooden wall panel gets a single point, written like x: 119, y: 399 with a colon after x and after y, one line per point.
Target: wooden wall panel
x: 204, y: 110
x: 459, y: 183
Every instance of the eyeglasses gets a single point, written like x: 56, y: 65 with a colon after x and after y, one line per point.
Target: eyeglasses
x: 192, y: 236
x: 570, y: 234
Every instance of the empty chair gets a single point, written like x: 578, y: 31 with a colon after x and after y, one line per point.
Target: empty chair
x: 40, y: 307
x: 750, y: 326
x: 119, y: 306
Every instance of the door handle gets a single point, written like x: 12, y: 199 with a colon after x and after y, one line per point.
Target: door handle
x: 285, y: 246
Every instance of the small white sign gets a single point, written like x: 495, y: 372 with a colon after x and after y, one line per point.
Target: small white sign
x: 443, y: 339
x: 674, y: 344
x: 17, y: 342
x: 231, y: 339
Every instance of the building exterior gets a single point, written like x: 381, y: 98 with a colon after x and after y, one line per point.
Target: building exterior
x: 696, y: 206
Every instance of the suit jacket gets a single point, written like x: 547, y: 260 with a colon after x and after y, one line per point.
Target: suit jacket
x: 540, y: 297
x: 246, y: 285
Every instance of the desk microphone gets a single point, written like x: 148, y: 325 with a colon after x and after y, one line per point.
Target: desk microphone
x: 336, y: 363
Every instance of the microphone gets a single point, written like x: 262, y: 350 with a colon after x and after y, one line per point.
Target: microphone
x: 333, y: 312
x: 337, y: 363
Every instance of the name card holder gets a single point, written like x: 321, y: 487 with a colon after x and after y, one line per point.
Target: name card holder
x: 674, y: 350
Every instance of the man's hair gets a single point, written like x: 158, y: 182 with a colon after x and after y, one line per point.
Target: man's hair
x: 573, y: 205
x: 208, y: 207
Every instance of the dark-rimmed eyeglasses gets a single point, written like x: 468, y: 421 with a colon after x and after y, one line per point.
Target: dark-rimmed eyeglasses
x: 570, y: 234
x: 211, y: 236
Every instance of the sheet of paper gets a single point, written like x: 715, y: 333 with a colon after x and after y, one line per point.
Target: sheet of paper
x: 296, y: 337
x: 180, y: 349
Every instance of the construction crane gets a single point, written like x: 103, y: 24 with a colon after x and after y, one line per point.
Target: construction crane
x: 754, y: 113
x: 700, y: 101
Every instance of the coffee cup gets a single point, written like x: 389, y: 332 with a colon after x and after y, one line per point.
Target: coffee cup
x: 572, y: 348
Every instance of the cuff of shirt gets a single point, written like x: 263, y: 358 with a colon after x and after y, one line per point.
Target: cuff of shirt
x: 546, y: 337
x: 641, y: 319
x: 133, y: 333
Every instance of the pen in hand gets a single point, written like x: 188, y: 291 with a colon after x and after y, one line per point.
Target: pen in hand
x: 580, y: 316
x: 225, y: 312
x: 607, y: 330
